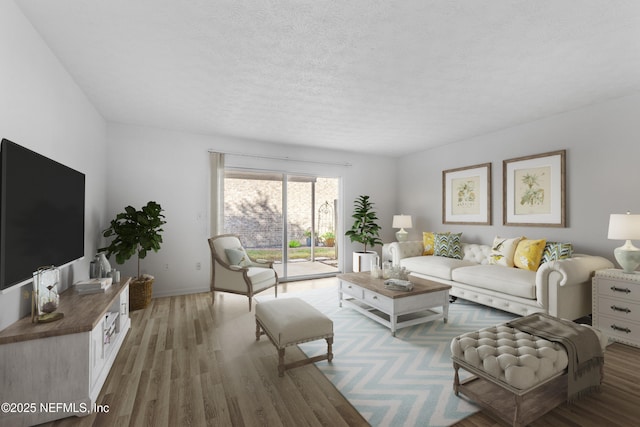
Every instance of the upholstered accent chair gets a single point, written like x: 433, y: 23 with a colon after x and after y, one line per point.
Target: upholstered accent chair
x: 235, y: 272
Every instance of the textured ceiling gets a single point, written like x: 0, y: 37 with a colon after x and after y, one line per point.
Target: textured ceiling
x: 388, y: 77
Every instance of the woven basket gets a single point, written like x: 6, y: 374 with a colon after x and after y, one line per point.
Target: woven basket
x: 140, y: 293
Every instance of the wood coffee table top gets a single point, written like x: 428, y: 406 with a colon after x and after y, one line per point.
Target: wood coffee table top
x: 420, y: 285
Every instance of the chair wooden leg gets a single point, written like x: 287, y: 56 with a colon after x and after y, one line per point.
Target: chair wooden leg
x: 281, y: 362
x: 329, y: 349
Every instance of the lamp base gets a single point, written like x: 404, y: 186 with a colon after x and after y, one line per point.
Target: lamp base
x: 628, y: 256
x: 402, y: 235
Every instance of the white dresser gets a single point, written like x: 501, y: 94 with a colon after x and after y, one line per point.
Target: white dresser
x: 616, y: 305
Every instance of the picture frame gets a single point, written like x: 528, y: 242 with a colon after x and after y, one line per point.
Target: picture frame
x: 534, y: 190
x: 466, y: 195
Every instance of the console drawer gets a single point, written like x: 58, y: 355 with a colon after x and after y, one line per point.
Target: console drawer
x: 378, y: 301
x: 618, y: 289
x: 619, y: 309
x: 352, y: 290
x: 620, y: 329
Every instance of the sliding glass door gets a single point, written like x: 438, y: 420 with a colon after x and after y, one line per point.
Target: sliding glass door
x: 289, y: 219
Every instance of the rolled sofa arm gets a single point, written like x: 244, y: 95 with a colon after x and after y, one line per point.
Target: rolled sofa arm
x: 400, y: 250
x: 577, y: 269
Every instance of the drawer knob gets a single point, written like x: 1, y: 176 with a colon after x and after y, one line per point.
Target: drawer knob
x: 625, y: 290
x: 622, y: 309
x: 375, y: 297
x: 618, y: 328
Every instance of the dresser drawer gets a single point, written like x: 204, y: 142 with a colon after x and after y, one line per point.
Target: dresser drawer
x: 619, y: 289
x: 352, y: 290
x: 620, y: 330
x: 378, y: 301
x: 619, y: 309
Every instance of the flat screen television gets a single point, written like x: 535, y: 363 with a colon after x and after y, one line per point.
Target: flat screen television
x: 41, y: 213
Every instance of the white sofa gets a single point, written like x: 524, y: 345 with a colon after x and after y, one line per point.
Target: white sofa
x: 560, y: 288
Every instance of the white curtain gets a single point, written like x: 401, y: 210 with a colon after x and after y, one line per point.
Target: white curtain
x: 216, y: 213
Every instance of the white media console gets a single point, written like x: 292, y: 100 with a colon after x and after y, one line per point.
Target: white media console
x: 55, y: 370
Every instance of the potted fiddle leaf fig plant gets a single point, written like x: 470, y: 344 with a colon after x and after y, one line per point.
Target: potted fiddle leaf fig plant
x: 136, y: 232
x: 365, y: 230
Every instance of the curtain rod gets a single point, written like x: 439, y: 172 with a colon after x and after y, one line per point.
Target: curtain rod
x: 287, y: 158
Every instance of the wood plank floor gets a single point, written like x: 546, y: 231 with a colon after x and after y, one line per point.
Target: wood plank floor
x: 188, y: 363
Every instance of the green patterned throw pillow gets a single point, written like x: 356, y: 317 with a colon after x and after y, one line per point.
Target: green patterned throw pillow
x: 554, y: 251
x: 447, y: 245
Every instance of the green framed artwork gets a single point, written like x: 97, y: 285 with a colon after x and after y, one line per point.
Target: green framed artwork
x: 534, y: 190
x: 466, y: 195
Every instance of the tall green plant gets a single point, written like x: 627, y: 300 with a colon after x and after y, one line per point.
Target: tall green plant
x: 136, y: 232
x: 365, y: 230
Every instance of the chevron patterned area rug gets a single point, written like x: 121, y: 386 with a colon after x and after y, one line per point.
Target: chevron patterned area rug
x: 401, y: 381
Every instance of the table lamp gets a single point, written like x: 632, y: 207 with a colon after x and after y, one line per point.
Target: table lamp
x: 401, y: 222
x: 625, y: 227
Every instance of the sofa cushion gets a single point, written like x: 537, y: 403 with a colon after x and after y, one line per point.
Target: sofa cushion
x: 528, y: 254
x: 436, y: 266
x: 447, y: 245
x: 502, y: 251
x: 512, y: 281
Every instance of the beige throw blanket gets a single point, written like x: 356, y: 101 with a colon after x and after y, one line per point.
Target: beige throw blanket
x: 581, y: 343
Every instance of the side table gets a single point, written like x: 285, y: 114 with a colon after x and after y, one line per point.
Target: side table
x: 616, y: 305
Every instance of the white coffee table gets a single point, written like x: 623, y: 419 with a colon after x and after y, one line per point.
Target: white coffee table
x: 427, y: 301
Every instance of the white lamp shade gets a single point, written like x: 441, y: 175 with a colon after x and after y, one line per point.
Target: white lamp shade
x: 402, y: 221
x: 624, y: 227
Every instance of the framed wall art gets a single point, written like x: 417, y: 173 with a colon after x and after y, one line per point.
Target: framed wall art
x: 466, y: 195
x: 534, y: 190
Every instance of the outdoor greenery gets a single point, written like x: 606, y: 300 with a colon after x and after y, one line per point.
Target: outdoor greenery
x: 304, y: 252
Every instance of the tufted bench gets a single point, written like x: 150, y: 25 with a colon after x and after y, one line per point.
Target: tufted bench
x: 291, y: 321
x: 517, y: 376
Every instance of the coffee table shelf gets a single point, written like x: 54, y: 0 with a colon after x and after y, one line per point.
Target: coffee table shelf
x: 394, y: 309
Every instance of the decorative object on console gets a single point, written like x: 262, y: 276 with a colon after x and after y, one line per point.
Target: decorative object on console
x: 466, y: 195
x: 45, y: 298
x: 402, y: 222
x: 136, y: 233
x: 533, y: 190
x: 625, y: 227
x: 364, y: 230
x: 105, y: 265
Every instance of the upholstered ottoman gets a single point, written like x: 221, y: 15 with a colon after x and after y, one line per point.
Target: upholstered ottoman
x: 291, y: 321
x: 517, y: 376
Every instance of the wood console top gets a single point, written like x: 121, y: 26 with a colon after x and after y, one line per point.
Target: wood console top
x: 420, y: 285
x: 81, y: 314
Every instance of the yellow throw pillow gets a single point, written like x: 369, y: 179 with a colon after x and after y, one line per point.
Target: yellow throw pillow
x: 503, y: 250
x: 528, y: 254
x: 427, y: 242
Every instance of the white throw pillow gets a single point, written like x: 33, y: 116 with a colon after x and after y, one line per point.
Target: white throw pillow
x: 503, y: 251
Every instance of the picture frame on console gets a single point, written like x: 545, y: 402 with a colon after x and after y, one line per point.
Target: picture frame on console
x: 534, y: 190
x: 466, y: 195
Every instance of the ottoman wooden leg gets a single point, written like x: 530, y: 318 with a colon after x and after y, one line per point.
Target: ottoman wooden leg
x: 281, y: 367
x: 329, y: 349
x: 258, y: 331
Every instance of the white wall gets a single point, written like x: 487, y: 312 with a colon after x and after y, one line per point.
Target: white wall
x: 172, y: 168
x: 43, y: 109
x: 603, y: 177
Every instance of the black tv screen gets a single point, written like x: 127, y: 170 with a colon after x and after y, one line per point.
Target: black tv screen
x: 41, y: 213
